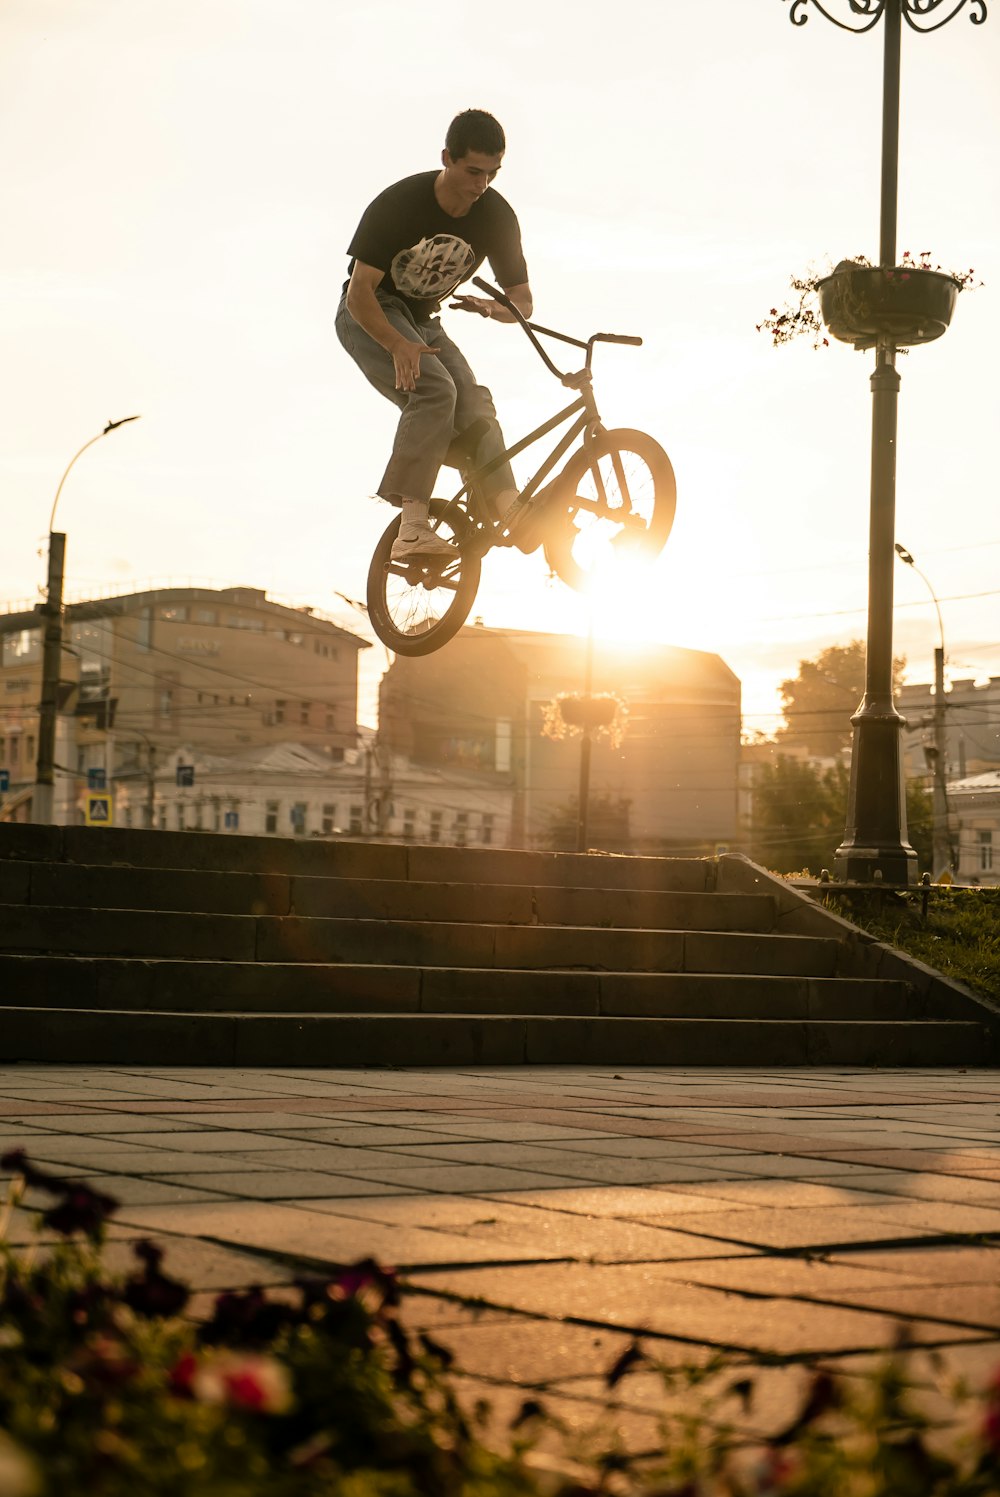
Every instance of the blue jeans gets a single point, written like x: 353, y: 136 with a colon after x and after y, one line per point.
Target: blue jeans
x: 446, y: 402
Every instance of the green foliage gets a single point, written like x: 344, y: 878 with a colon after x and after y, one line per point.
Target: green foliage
x: 960, y: 935
x: 800, y: 811
x: 106, y: 1390
x: 607, y: 824
x: 798, y: 815
x: 820, y: 701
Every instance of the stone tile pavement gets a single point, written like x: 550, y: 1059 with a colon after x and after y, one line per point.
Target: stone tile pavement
x: 543, y: 1217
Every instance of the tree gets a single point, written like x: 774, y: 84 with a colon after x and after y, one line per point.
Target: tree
x: 819, y: 702
x: 607, y: 824
x: 799, y: 813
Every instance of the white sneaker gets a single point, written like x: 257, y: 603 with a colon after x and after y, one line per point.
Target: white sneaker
x: 420, y: 540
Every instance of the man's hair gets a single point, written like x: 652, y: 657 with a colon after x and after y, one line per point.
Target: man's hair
x: 474, y: 130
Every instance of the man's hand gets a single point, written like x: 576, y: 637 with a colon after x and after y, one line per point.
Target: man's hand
x: 484, y: 305
x: 406, y: 356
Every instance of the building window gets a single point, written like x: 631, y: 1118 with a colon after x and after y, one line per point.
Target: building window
x: 436, y: 819
x: 487, y: 831
x: 144, y: 629
x: 329, y: 722
x: 304, y: 709
x: 984, y: 842
x: 15, y: 750
x: 179, y: 813
x: 329, y: 819
x: 163, y: 818
x: 165, y: 704
x: 409, y: 823
x: 357, y: 820
x: 461, y: 827
x: 29, y: 750
x: 204, y: 616
x: 336, y: 755
x: 297, y: 816
x: 501, y: 746
x: 174, y: 615
x: 271, y: 816
x: 23, y: 647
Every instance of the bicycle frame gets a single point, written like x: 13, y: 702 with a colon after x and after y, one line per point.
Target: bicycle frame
x: 587, y: 423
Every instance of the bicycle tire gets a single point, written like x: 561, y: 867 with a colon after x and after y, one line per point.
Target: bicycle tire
x: 403, y: 603
x: 650, y: 496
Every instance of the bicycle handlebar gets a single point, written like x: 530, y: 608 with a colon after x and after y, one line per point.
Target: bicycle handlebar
x: 531, y: 328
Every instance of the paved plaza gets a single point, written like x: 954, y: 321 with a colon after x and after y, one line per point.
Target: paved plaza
x: 542, y: 1217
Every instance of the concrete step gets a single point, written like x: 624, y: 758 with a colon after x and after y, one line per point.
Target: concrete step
x: 53, y: 1035
x: 444, y: 943
x: 95, y: 886
x: 232, y: 854
x: 113, y: 931
x: 121, y: 984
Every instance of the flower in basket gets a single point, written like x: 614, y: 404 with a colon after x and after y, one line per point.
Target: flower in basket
x: 603, y: 714
x: 911, y: 301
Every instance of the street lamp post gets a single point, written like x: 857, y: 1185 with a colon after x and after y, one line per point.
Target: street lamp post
x: 43, y: 800
x: 875, y: 845
x: 943, y: 852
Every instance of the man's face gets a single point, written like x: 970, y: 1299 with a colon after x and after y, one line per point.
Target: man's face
x: 471, y: 174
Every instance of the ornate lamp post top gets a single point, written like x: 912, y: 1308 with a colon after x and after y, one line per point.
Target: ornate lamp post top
x: 921, y: 15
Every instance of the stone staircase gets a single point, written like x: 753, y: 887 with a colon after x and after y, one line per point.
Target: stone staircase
x: 145, y: 948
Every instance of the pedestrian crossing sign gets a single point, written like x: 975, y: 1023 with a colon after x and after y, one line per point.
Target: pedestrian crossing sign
x: 100, y: 809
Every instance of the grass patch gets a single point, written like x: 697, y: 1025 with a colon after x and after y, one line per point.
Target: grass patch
x: 959, y: 935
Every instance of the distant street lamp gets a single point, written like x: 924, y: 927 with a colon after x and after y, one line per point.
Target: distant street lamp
x: 875, y: 845
x: 43, y: 799
x: 943, y: 852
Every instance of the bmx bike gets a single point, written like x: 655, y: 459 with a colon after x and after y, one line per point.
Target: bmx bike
x: 616, y: 490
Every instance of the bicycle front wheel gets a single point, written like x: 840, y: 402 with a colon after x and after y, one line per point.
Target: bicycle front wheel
x: 416, y: 607
x: 618, y: 496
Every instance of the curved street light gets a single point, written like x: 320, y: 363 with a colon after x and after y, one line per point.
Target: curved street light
x: 944, y: 854
x: 43, y: 799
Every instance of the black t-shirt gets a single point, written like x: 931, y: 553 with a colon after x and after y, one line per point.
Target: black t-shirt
x: 425, y: 252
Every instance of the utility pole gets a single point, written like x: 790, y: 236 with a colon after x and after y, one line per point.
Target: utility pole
x: 43, y: 808
x: 43, y: 801
x: 942, y: 831
x: 583, y: 796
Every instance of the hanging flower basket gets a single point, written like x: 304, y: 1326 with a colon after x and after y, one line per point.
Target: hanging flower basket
x: 588, y: 712
x: 604, y: 714
x: 911, y: 305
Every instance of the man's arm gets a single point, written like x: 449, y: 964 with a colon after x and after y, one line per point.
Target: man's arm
x: 363, y: 306
x: 487, y: 307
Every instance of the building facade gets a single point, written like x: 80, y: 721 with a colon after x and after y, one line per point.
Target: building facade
x: 974, y: 811
x: 480, y: 708
x: 144, y: 673
x: 972, y: 727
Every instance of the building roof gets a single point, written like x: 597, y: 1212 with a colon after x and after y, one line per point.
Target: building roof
x: 988, y: 780
x: 541, y: 651
x: 126, y: 603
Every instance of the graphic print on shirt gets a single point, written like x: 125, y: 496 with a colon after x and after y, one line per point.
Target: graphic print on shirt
x: 432, y: 268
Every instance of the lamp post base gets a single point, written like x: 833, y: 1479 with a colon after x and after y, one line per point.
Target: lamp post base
x: 875, y: 849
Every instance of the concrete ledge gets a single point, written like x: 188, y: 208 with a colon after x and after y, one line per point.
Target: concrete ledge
x: 861, y: 955
x: 86, y: 1037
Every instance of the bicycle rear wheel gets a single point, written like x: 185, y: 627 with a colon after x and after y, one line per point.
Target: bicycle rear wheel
x: 416, y: 607
x: 618, y: 495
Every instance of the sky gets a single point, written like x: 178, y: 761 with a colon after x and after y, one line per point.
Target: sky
x: 180, y: 179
